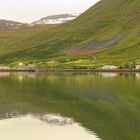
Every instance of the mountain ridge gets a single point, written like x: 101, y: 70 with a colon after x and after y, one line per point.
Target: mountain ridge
x: 52, y: 19
x: 55, y: 19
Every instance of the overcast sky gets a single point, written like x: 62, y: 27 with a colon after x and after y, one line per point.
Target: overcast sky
x: 31, y: 10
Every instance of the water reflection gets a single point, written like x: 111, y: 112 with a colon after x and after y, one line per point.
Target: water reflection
x: 52, y: 119
x: 90, y: 102
x: 44, y: 127
x: 138, y: 76
x: 108, y: 74
x: 23, y: 75
x: 4, y: 74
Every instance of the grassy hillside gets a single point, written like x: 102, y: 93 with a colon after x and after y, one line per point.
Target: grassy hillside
x: 107, y: 33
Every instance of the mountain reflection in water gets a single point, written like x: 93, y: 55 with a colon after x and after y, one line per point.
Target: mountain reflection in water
x: 81, y: 106
x: 44, y: 127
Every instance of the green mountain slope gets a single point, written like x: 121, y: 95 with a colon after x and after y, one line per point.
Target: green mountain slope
x: 107, y: 33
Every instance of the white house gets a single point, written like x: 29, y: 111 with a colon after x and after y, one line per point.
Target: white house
x: 21, y: 64
x: 109, y: 67
x: 138, y: 67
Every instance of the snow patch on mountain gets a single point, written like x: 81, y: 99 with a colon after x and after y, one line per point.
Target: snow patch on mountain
x: 55, y: 19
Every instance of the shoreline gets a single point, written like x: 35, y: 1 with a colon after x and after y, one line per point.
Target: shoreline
x: 92, y: 70
x: 75, y: 70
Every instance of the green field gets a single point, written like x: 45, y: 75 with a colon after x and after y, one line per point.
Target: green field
x: 107, y: 33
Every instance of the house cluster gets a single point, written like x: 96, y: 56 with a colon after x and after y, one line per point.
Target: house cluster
x: 113, y: 67
x: 22, y: 66
x: 32, y: 67
x: 5, y: 68
x: 109, y: 67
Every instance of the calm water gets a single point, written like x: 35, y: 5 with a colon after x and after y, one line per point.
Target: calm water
x: 69, y: 106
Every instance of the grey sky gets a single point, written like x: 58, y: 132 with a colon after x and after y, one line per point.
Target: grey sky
x: 31, y: 10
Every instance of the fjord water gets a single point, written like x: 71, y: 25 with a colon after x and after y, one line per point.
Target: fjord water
x: 69, y: 106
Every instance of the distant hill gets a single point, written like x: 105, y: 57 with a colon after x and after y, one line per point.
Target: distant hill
x: 55, y: 19
x: 7, y: 24
x: 107, y: 33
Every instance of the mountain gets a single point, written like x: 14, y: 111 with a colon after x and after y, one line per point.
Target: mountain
x: 49, y: 20
x: 7, y: 24
x: 55, y: 19
x: 107, y: 33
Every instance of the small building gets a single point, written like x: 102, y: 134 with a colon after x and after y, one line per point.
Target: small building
x: 138, y: 67
x: 109, y: 67
x: 32, y: 66
x: 4, y: 68
x: 21, y: 64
